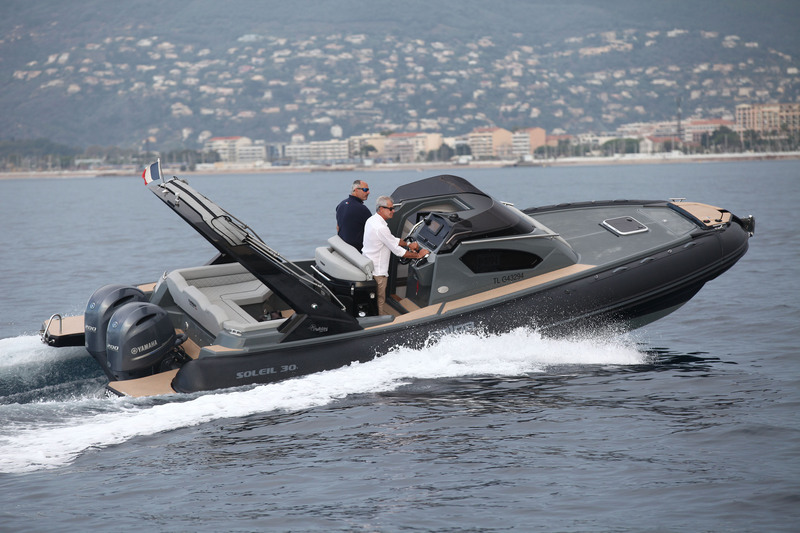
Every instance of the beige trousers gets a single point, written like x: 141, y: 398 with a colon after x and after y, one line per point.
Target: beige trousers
x: 381, y: 293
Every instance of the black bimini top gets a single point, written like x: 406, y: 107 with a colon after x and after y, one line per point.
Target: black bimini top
x: 444, y: 185
x: 478, y: 215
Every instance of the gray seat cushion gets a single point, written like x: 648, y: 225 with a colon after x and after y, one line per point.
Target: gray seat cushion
x: 342, y: 261
x: 213, y: 295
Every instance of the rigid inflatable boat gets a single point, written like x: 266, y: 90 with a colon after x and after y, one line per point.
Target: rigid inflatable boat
x: 251, y: 316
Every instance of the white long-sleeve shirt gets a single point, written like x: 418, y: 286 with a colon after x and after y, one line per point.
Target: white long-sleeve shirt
x: 379, y: 243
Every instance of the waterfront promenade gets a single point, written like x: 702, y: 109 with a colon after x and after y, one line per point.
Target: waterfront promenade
x: 227, y: 168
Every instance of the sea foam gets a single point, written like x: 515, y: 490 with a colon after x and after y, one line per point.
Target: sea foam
x: 50, y: 444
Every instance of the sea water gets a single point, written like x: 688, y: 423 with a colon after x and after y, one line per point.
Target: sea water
x: 688, y: 424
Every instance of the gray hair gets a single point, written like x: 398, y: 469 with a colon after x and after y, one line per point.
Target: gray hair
x: 382, y: 201
x: 356, y: 185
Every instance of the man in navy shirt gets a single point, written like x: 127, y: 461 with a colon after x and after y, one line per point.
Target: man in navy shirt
x: 352, y: 214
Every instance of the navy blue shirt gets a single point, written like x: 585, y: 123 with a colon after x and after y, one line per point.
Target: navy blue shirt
x: 351, y: 215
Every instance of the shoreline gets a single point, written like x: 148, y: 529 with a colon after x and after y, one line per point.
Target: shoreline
x: 634, y: 159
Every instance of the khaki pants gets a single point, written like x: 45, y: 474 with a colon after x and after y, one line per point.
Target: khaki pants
x: 381, y: 293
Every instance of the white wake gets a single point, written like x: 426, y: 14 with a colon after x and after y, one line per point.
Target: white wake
x: 29, y: 350
x: 28, y: 445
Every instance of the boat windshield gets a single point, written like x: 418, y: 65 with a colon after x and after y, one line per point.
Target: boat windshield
x: 454, y: 210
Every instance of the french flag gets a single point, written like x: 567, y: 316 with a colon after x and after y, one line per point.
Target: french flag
x: 152, y: 173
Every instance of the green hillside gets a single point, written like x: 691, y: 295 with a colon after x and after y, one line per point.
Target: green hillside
x: 99, y: 72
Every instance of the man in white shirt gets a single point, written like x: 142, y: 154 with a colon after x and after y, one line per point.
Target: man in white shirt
x: 379, y: 244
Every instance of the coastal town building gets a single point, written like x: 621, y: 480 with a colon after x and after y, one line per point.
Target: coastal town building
x: 554, y: 140
x: 368, y: 145
x: 332, y: 151
x: 593, y: 141
x: 498, y: 143
x: 655, y: 145
x: 692, y: 129
x: 491, y: 143
x: 236, y: 149
x: 253, y: 153
x: 400, y: 148
x: 526, y: 141
x: 297, y: 152
x: 635, y: 130
x: 319, y: 152
x: 410, y: 147
x: 768, y: 118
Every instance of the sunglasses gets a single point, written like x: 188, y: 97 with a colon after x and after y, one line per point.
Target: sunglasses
x: 389, y: 208
x: 365, y: 189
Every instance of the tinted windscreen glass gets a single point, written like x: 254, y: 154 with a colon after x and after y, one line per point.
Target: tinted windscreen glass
x: 496, y: 260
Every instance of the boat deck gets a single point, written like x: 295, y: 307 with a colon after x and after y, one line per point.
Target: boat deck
x: 156, y: 384
x: 596, y: 244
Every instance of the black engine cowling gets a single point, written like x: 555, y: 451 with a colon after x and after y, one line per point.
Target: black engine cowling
x: 102, y: 304
x: 139, y: 336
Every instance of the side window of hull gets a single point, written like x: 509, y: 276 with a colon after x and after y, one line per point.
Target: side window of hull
x: 499, y: 260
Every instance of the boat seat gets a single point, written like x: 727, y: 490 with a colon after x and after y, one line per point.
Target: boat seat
x: 213, y: 295
x: 342, y: 261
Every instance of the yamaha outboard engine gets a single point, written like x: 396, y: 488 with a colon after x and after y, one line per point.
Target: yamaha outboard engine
x: 102, y: 304
x: 140, y: 335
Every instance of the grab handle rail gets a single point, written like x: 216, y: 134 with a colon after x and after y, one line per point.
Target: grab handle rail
x: 46, y: 329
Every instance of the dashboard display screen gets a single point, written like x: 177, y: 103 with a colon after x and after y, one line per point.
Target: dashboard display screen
x: 435, y: 226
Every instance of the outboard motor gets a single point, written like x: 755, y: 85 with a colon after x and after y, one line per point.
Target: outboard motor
x: 102, y: 304
x: 139, y: 337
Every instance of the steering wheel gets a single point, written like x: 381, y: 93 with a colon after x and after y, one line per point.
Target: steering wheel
x: 406, y: 260
x: 417, y: 261
x: 420, y: 261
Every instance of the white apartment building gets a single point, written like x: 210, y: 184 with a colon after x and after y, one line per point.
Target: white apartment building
x: 297, y: 152
x: 318, y: 152
x: 490, y: 143
x: 253, y: 153
x: 410, y: 147
x: 375, y: 140
x: 330, y: 151
x: 525, y: 142
x: 236, y: 149
x: 692, y: 128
